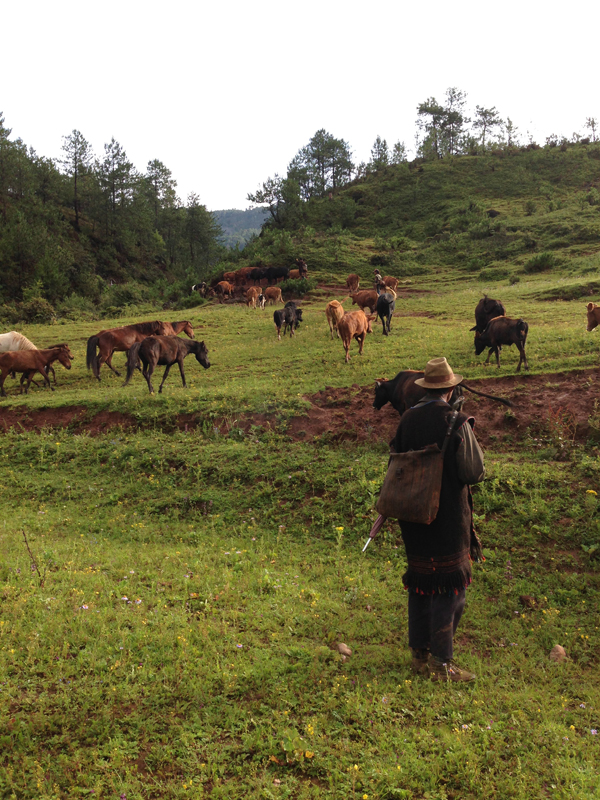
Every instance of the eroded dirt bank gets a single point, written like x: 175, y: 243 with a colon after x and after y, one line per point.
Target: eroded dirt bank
x: 348, y: 413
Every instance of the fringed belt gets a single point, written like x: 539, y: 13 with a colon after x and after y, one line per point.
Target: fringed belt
x: 441, y: 565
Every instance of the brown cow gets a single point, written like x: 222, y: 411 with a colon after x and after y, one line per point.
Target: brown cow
x: 224, y: 289
x: 389, y: 281
x: 334, y: 311
x: 242, y: 275
x: 229, y: 277
x: 365, y: 299
x: 593, y: 316
x: 354, y: 325
x: 273, y: 294
x: 296, y: 274
x: 252, y: 295
x: 352, y: 283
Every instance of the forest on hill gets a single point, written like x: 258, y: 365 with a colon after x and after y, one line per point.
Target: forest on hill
x: 92, y: 233
x: 91, y: 236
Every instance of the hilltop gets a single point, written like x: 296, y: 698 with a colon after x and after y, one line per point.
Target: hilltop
x: 491, y: 216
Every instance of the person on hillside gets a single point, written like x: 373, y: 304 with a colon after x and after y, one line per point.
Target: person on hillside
x: 439, y: 555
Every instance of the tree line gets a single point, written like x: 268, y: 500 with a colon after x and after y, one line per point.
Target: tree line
x: 83, y: 222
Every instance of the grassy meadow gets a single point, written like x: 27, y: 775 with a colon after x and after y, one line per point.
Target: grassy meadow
x: 171, y: 600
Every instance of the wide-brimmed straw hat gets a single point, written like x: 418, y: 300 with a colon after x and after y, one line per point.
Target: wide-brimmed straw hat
x: 438, y: 375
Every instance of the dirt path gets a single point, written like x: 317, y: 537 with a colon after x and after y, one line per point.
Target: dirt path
x: 348, y: 413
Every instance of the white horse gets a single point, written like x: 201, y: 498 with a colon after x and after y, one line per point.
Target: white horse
x: 15, y: 341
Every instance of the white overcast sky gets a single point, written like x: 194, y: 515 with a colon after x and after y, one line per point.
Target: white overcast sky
x: 225, y: 93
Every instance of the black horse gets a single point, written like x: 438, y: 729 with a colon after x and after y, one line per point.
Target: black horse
x: 168, y: 350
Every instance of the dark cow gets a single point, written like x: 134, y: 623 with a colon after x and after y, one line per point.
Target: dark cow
x: 257, y: 275
x: 403, y: 393
x: 486, y: 310
x: 500, y: 331
x: 386, y: 303
x: 274, y: 274
x: 288, y: 317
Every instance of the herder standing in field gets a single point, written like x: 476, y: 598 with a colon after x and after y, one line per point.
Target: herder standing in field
x: 439, y: 554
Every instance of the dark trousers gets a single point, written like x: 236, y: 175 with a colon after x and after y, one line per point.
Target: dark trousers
x: 433, y: 620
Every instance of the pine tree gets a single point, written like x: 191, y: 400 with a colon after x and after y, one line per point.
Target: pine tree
x: 77, y: 161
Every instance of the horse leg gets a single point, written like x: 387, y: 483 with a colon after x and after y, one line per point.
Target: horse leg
x: 2, y: 379
x: 108, y: 362
x: 497, y: 357
x: 182, y: 373
x: 147, y: 373
x: 165, y: 377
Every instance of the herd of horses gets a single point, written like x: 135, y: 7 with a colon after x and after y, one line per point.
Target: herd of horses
x: 147, y: 343
x: 156, y: 343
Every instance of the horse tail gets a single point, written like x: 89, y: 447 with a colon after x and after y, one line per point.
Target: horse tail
x: 90, y: 359
x: 489, y: 396
x: 132, y: 360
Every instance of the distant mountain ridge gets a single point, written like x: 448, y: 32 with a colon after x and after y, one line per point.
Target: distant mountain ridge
x: 239, y: 226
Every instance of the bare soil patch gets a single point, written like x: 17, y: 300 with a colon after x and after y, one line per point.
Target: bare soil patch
x: 347, y: 414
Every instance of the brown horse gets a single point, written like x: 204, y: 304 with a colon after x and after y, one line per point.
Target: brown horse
x: 167, y: 350
x: 29, y: 362
x: 123, y: 338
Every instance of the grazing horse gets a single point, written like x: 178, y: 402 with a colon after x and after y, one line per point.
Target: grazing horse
x: 168, y: 350
x: 29, y: 362
x: 123, y: 338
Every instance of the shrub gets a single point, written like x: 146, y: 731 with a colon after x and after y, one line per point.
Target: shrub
x: 299, y: 287
x: 193, y: 300
x: 75, y: 307
x: 410, y: 270
x: 541, y: 263
x: 514, y: 279
x: 480, y: 230
x: 593, y: 197
x: 381, y: 261
x: 530, y: 207
x: 493, y: 274
x: 37, y: 311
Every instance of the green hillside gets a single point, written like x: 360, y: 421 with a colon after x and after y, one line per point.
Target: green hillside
x: 491, y: 216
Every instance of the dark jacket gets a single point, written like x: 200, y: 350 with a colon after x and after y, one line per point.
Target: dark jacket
x: 438, y: 554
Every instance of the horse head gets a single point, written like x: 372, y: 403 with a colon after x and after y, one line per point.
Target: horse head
x: 188, y: 330
x: 64, y: 357
x: 201, y: 352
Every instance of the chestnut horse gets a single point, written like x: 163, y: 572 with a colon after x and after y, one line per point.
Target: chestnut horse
x: 167, y: 350
x: 123, y: 338
x: 29, y: 362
